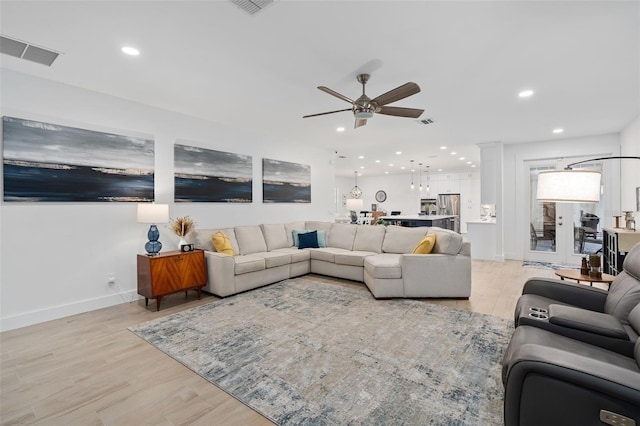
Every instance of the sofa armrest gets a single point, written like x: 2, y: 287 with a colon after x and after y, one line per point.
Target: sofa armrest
x: 221, y: 273
x: 444, y: 275
x: 579, y: 295
x: 589, y: 321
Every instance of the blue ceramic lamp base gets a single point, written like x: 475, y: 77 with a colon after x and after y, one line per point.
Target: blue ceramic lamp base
x: 153, y: 246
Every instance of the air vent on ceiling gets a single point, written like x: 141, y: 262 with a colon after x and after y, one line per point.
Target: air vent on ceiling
x: 425, y: 121
x: 20, y: 49
x: 252, y: 6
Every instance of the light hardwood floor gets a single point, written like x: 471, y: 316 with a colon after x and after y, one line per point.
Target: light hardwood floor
x: 88, y: 369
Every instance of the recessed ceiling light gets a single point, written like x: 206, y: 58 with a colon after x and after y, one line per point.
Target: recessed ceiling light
x: 362, y: 167
x: 461, y: 158
x: 361, y: 156
x: 439, y: 170
x: 390, y: 164
x: 377, y: 161
x: 443, y: 147
x: 398, y: 152
x: 402, y: 167
x: 525, y: 93
x: 558, y: 130
x: 469, y: 162
x: 130, y: 50
x: 340, y: 129
x: 453, y: 153
x: 473, y: 165
x: 386, y: 173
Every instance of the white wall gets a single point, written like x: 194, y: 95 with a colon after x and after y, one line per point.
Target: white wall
x: 516, y: 192
x: 55, y: 257
x: 630, y: 169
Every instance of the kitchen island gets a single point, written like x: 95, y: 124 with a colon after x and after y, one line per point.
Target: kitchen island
x: 441, y: 221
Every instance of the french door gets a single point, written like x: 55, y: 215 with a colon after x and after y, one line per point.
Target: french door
x: 561, y: 232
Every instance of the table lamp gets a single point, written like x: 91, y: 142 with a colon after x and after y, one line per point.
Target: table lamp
x: 153, y: 214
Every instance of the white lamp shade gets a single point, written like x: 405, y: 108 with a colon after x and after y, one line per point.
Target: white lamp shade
x: 569, y: 186
x: 355, y: 204
x: 153, y: 213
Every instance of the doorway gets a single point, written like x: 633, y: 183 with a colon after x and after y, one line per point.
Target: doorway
x: 561, y: 232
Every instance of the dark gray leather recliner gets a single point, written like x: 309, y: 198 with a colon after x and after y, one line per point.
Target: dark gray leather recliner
x: 588, y: 314
x: 550, y: 379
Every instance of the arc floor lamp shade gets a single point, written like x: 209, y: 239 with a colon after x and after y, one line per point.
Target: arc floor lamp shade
x: 569, y: 186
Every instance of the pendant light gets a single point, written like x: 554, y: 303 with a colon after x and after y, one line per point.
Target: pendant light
x: 428, y: 186
x: 420, y: 165
x: 356, y: 192
x: 412, y: 185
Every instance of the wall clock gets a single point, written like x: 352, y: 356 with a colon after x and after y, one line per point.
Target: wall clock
x: 381, y: 196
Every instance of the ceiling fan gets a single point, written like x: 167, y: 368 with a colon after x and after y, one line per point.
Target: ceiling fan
x: 363, y: 108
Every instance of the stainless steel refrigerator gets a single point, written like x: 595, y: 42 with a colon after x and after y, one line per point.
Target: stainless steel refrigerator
x: 449, y: 205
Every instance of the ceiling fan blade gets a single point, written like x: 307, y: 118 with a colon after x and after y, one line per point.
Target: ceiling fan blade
x: 360, y: 122
x: 399, y: 111
x: 325, y: 113
x: 334, y: 93
x: 396, y: 94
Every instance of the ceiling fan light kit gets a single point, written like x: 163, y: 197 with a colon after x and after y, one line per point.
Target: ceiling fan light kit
x: 364, y: 107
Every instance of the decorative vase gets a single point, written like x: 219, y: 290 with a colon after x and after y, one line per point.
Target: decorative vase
x: 182, y: 241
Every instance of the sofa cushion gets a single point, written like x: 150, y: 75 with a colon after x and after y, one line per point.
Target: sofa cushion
x: 354, y: 258
x: 245, y: 264
x: 250, y: 239
x: 289, y: 227
x: 401, y: 240
x: 317, y: 226
x: 275, y: 236
x: 385, y: 266
x: 327, y: 254
x: 222, y: 243
x: 425, y: 246
x: 369, y: 238
x: 447, y: 241
x: 308, y: 240
x: 295, y: 254
x: 274, y: 258
x: 341, y: 236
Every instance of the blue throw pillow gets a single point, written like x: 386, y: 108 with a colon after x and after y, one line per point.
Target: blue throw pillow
x: 322, y: 237
x: 308, y: 240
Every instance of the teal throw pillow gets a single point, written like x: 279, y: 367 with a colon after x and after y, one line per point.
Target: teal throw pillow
x: 308, y: 240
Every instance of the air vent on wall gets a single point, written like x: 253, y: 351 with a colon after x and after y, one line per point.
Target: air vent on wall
x: 252, y: 6
x: 20, y: 49
x: 425, y: 121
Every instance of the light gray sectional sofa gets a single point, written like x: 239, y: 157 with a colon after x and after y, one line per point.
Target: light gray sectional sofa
x: 379, y: 256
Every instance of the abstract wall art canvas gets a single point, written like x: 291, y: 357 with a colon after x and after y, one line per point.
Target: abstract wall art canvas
x: 284, y: 182
x: 54, y: 163
x: 205, y: 175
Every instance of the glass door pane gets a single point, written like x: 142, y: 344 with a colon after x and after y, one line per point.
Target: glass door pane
x: 542, y: 226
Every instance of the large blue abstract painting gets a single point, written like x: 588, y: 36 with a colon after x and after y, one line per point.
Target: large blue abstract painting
x: 284, y: 182
x: 205, y: 175
x: 50, y: 162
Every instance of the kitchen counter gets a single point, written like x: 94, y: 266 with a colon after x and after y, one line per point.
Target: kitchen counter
x: 441, y: 221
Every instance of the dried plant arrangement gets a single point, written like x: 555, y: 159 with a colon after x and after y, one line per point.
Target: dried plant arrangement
x: 181, y: 226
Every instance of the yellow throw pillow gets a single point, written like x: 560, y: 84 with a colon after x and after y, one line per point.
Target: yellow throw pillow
x: 426, y: 245
x: 222, y: 243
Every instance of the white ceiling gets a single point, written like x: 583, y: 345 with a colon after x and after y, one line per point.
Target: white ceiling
x: 212, y: 60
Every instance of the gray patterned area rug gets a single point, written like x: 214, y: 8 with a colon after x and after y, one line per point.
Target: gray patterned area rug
x: 303, y: 352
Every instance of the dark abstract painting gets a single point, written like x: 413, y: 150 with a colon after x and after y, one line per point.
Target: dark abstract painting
x: 205, y: 175
x: 284, y: 182
x: 50, y: 162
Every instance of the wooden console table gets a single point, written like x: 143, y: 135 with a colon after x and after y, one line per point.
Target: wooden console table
x: 170, y: 272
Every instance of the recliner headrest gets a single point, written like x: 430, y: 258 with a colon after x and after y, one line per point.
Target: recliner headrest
x: 632, y: 262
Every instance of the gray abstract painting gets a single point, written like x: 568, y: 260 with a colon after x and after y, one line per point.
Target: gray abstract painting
x: 284, y: 182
